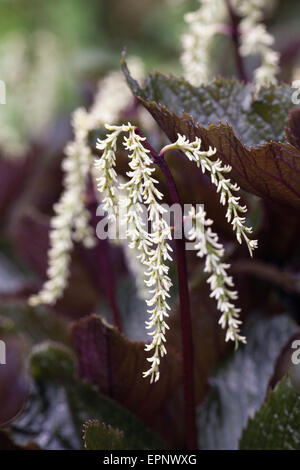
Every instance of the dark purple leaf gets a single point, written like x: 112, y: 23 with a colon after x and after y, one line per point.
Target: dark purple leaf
x: 270, y: 170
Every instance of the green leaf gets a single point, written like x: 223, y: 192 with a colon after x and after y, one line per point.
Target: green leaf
x: 52, y: 361
x: 60, y: 404
x: 286, y: 364
x: 99, y: 436
x: 276, y: 425
x: 229, y: 116
x: 238, y: 387
x: 254, y: 119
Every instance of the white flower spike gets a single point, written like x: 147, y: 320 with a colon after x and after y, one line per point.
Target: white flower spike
x: 255, y: 39
x: 210, y: 19
x: 71, y: 220
x: 152, y: 248
x: 69, y: 224
x: 197, y: 42
x: 225, y: 187
x: 220, y: 282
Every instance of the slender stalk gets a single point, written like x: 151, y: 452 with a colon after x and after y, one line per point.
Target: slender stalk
x: 186, y: 323
x: 236, y: 42
x: 102, y: 253
x: 109, y: 282
x: 185, y: 310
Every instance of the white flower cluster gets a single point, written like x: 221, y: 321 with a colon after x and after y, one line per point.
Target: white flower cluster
x: 71, y: 220
x: 220, y: 282
x: 105, y: 167
x: 118, y: 227
x: 203, y: 24
x: 209, y: 20
x: 255, y: 39
x: 112, y: 98
x: 224, y: 186
x: 153, y: 247
x: 69, y: 224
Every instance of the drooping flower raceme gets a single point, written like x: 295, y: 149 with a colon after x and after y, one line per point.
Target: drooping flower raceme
x: 221, y: 284
x: 69, y: 224
x: 203, y: 24
x: 255, y: 39
x: 207, y: 241
x: 71, y: 220
x: 153, y: 247
x: 105, y: 167
x: 225, y: 187
x: 118, y: 229
x: 210, y: 19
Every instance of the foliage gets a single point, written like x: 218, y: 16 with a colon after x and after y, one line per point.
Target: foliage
x: 270, y: 170
x: 238, y: 385
x: 60, y: 403
x: 276, y: 425
x: 98, y: 436
x: 75, y: 371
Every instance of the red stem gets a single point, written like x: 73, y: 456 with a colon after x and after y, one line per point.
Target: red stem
x: 236, y: 42
x: 107, y: 273
x: 186, y: 322
x: 102, y: 253
x: 185, y: 310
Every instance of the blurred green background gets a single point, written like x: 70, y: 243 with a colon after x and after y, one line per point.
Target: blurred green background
x: 91, y: 34
x: 52, y: 55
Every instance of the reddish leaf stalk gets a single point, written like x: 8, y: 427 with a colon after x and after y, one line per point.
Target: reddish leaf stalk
x: 102, y: 251
x: 109, y: 282
x: 236, y: 42
x: 186, y: 323
x: 185, y: 310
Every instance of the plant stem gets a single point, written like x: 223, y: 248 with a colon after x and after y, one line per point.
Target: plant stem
x: 109, y: 282
x: 236, y: 42
x: 185, y: 310
x: 186, y: 323
x: 102, y: 254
